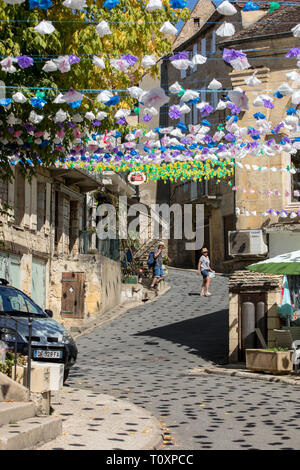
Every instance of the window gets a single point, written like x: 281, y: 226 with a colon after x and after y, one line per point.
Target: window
x: 213, y: 43
x: 19, y: 198
x: 197, y: 22
x: 295, y: 178
x: 203, y: 46
x: 14, y: 301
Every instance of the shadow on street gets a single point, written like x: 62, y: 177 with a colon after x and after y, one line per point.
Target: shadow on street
x: 206, y: 335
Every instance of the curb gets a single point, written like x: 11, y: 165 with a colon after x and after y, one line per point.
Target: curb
x: 121, y: 310
x: 248, y: 375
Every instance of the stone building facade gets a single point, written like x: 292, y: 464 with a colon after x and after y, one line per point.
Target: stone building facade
x: 41, y: 248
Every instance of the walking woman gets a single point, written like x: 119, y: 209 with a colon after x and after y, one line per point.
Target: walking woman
x: 204, y: 268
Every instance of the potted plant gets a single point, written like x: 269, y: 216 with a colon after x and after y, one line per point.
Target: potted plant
x: 273, y: 360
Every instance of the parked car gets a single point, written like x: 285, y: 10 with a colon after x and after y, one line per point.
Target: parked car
x: 50, y: 341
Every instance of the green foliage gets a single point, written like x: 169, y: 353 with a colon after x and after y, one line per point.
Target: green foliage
x: 134, y: 31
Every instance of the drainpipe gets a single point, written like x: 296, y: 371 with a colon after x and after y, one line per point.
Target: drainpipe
x: 84, y: 224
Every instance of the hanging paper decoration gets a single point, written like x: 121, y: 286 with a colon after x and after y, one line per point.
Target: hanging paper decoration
x: 148, y: 61
x: 239, y: 98
x: 155, y: 97
x: 24, y: 61
x: 214, y: 85
x: 72, y: 96
x: 273, y: 6
x: 226, y: 8
x: 50, y: 66
x: 98, y: 62
x: 110, y: 4
x: 168, y: 28
x: 7, y: 65
x: 103, y: 29
x: 75, y: 4
x: 44, y: 27
x: 252, y: 80
x: 19, y: 97
x: 225, y: 30
x: 43, y: 4
x: 250, y: 6
x: 14, y: 2
x: 119, y: 64
x: 153, y: 5
x: 178, y: 4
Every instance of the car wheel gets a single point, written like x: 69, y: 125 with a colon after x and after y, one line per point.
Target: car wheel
x: 66, y: 374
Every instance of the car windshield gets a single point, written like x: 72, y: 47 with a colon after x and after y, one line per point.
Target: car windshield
x: 14, y: 302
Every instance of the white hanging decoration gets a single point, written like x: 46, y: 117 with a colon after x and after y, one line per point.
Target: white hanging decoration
x: 90, y: 116
x: 258, y: 101
x: 101, y: 115
x: 119, y: 64
x: 151, y: 111
x: 153, y: 5
x: 185, y: 109
x: 168, y: 28
x: 225, y: 30
x: 293, y: 75
x: 71, y: 96
x: 293, y: 215
x: 99, y: 62
x: 252, y: 80
x: 241, y: 63
x: 148, y: 61
x: 75, y: 4
x: 122, y: 113
x: 199, y: 59
x: 155, y: 97
x: 14, y: 2
x: 44, y: 27
x: 296, y: 31
x: 226, y: 9
x: 103, y: 29
x: 182, y: 64
x: 77, y: 118
x: 239, y: 98
x: 63, y: 63
x: 215, y: 85
x: 221, y: 105
x: 59, y: 99
x: 285, y: 89
x: 189, y: 95
x: 175, y: 88
x: 12, y: 120
x: 296, y: 97
x: 35, y: 118
x: 135, y: 92
x: 7, y: 65
x: 104, y: 96
x: 19, y: 97
x: 60, y: 116
x: 50, y: 66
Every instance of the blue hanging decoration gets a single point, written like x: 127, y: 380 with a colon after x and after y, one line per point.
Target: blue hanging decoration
x: 43, y: 4
x: 178, y: 4
x: 5, y: 101
x: 259, y: 116
x: 250, y: 6
x: 291, y: 111
x: 181, y: 126
x: 113, y: 101
x: 75, y: 104
x: 110, y: 4
x: 205, y: 122
x: 278, y: 95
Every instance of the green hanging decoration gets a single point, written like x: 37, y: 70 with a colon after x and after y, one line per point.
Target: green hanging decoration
x: 273, y: 6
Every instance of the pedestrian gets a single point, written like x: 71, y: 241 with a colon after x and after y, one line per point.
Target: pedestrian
x: 204, y: 268
x: 158, y: 271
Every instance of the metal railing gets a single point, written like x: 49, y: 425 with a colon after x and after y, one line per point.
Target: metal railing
x: 6, y: 321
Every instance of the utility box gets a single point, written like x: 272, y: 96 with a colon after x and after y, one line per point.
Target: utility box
x: 39, y: 377
x: 56, y: 374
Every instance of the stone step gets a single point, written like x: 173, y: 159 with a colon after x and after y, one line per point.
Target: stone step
x: 15, y: 411
x: 29, y: 432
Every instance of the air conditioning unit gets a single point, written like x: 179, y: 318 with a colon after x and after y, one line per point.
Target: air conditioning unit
x: 246, y: 242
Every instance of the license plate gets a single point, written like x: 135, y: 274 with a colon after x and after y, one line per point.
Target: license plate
x: 41, y: 354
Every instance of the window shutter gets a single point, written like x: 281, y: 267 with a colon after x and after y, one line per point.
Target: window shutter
x: 203, y: 46
x: 195, y: 47
x: 27, y: 211
x: 11, y: 194
x: 213, y: 42
x: 195, y: 114
x: 33, y: 217
x: 48, y: 208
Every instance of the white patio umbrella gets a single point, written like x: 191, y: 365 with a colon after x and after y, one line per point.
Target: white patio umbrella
x: 287, y: 263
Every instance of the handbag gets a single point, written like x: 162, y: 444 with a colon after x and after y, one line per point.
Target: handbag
x: 211, y: 274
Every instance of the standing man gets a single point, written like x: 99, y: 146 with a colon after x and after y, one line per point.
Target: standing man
x: 158, y: 272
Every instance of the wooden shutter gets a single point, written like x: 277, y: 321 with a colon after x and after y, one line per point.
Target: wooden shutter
x: 11, y: 194
x: 48, y: 208
x: 27, y: 211
x: 33, y: 216
x: 72, y: 300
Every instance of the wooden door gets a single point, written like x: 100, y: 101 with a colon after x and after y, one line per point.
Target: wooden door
x: 72, y: 300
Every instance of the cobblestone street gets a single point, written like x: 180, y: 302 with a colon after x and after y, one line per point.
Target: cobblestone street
x: 145, y: 355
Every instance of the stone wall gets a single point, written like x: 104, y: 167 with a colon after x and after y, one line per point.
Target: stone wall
x: 102, y: 284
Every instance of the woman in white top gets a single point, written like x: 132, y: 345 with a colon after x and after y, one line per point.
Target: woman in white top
x: 204, y: 268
